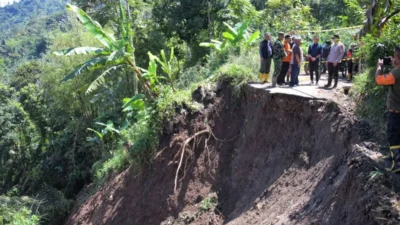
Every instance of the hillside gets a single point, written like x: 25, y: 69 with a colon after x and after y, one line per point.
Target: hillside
x: 24, y: 27
x: 259, y: 162
x: 144, y: 112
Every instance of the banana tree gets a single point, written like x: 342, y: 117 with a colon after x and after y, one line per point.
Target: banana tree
x: 234, y: 36
x: 114, y: 54
x: 169, y: 66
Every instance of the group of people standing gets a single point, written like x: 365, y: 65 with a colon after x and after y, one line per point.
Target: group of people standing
x: 287, y: 54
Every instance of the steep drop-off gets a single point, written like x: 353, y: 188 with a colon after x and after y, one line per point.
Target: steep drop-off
x: 269, y: 159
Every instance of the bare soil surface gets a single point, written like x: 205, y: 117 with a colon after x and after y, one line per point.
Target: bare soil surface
x: 265, y: 158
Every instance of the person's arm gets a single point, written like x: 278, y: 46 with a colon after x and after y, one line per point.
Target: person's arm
x: 341, y: 54
x: 297, y: 58
x: 384, y: 79
x: 260, y: 51
x: 309, y: 52
x: 339, y: 57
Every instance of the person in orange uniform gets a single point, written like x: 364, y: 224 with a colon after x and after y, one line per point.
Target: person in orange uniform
x: 392, y: 80
x: 286, y: 61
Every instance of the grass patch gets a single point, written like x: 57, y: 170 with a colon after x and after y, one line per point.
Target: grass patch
x: 117, y: 162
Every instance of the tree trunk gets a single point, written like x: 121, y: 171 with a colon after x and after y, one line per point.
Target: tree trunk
x: 135, y: 85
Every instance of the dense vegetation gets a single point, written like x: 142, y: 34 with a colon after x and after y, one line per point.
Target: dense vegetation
x: 145, y: 59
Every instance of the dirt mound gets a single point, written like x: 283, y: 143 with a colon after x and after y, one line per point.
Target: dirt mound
x: 261, y: 159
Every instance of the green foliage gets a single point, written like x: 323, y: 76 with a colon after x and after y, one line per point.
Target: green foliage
x: 117, y: 162
x: 20, y: 140
x: 234, y: 74
x: 243, y: 10
x: 79, y: 131
x: 285, y: 16
x: 116, y: 52
x: 371, y: 102
x: 236, y: 36
x: 170, y: 66
x: 369, y: 96
x: 24, y: 29
x: 52, y: 205
x: 208, y: 204
x: 16, y: 211
x: 334, y: 13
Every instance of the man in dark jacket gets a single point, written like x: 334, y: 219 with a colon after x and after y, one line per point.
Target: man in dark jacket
x: 266, y: 52
x: 325, y: 53
x: 314, y: 55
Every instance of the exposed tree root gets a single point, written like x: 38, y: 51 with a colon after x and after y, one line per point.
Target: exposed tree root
x: 183, y: 150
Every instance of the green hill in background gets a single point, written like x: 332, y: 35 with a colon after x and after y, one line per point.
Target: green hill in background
x: 23, y: 29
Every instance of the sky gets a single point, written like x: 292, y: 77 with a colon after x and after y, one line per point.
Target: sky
x: 7, y: 2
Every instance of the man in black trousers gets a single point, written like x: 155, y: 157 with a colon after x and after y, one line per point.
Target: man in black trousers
x: 314, y: 55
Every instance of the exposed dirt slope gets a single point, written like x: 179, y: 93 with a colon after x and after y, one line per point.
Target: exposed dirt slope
x: 271, y: 159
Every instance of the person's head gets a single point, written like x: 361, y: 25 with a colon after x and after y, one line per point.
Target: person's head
x: 293, y: 37
x: 396, y: 56
x: 328, y: 42
x: 298, y: 40
x: 281, y: 35
x: 316, y: 39
x: 288, y: 38
x: 267, y: 36
x: 336, y: 38
x: 352, y: 46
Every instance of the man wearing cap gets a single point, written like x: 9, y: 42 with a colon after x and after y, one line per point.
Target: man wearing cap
x: 266, y: 52
x: 286, y: 60
x: 392, y: 81
x: 334, y: 59
x: 279, y: 55
x: 297, y: 59
x: 314, y: 54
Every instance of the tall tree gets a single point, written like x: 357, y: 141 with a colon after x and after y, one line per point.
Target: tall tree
x: 379, y: 12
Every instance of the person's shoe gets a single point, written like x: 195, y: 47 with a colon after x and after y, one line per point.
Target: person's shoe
x: 316, y: 83
x: 327, y: 86
x: 336, y: 82
x: 274, y: 80
x: 312, y: 83
x: 266, y: 78
x: 261, y: 77
x: 349, y: 77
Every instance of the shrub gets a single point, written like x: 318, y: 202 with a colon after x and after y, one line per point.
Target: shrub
x: 234, y: 74
x: 370, y: 98
x: 209, y: 203
x: 15, y: 211
x: 371, y: 104
x: 115, y: 163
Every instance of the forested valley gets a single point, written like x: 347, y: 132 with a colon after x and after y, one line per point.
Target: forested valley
x: 90, y: 89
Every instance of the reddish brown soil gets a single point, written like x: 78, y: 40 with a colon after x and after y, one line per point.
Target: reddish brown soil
x: 274, y: 159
